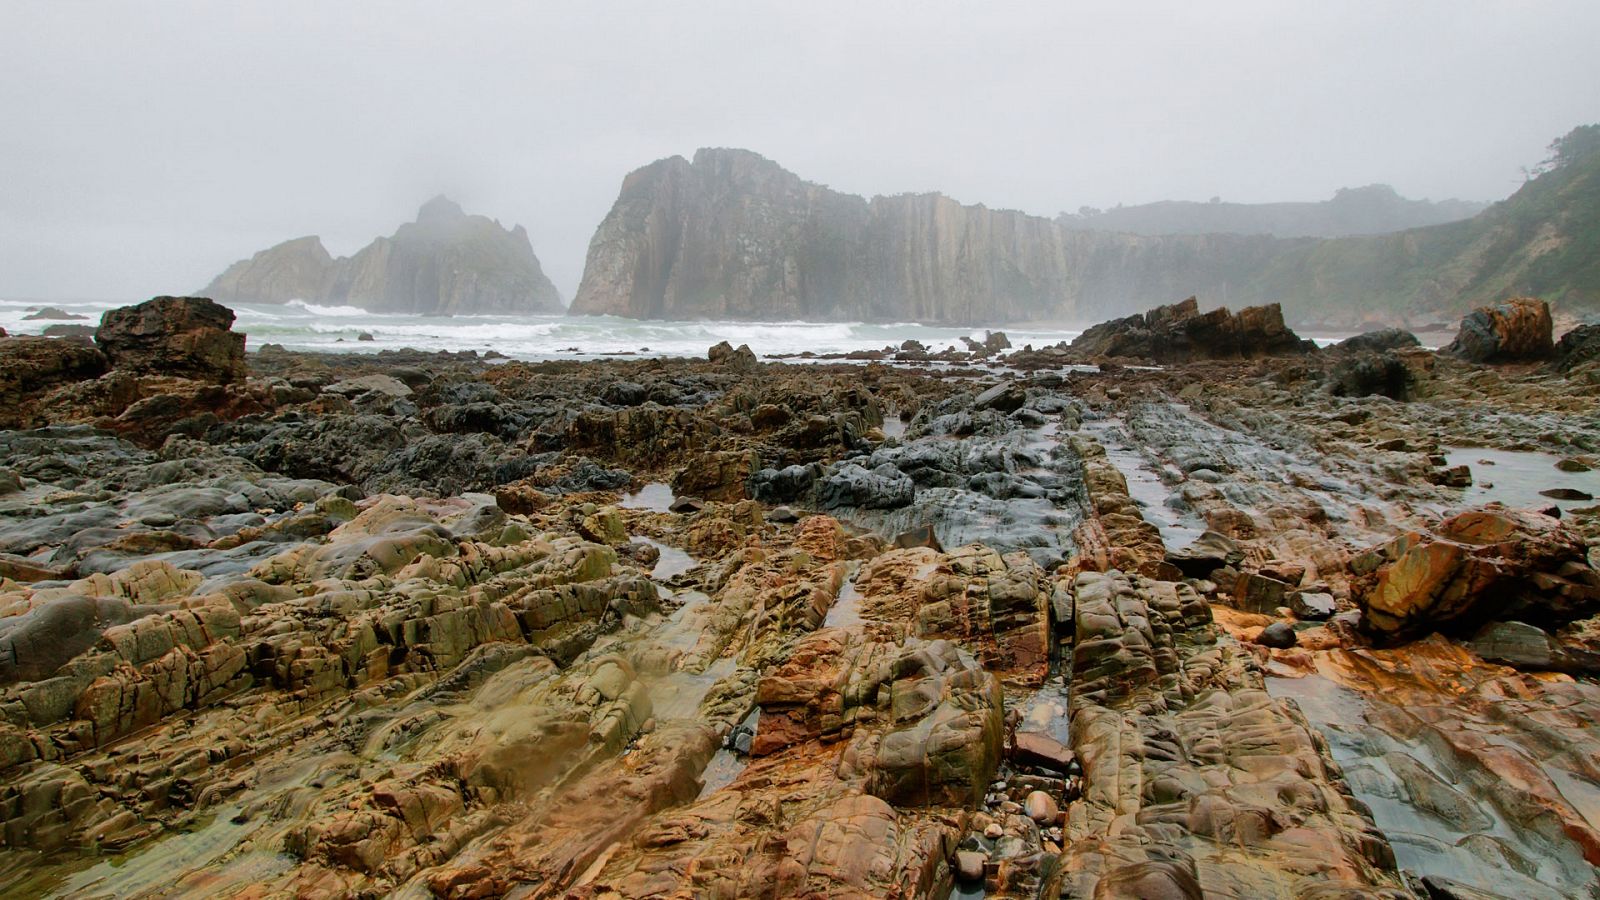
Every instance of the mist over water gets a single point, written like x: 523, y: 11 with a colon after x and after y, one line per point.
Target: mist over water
x: 304, y: 326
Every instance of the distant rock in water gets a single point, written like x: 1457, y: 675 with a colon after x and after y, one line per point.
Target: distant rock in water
x: 299, y: 269
x: 446, y: 262
x: 1517, y: 330
x: 1180, y: 332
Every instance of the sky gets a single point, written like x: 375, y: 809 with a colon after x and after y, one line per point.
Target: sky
x: 145, y: 146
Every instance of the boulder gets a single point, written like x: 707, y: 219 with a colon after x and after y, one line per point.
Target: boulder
x: 1515, y: 331
x: 1278, y: 635
x: 1258, y: 593
x: 190, y: 337
x: 1208, y: 553
x: 1489, y: 564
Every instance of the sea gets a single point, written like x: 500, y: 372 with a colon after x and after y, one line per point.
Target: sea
x: 298, y: 325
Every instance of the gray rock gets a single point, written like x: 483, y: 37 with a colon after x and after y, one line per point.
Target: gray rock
x: 1313, y: 606
x: 1278, y: 635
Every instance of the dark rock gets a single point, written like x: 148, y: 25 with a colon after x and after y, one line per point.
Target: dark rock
x: 624, y: 393
x: 1517, y: 330
x: 51, y: 312
x: 75, y: 332
x: 1007, y: 396
x: 1563, y: 493
x: 31, y: 365
x: 784, y: 485
x: 686, y: 505
x: 1384, y: 339
x: 1578, y: 347
x: 189, y: 337
x: 1181, y: 332
x: 1455, y: 476
x: 884, y: 487
x: 1367, y: 374
x: 1278, y: 635
x: 365, y: 336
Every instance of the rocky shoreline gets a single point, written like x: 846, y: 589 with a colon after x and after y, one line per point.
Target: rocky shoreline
x: 1187, y: 608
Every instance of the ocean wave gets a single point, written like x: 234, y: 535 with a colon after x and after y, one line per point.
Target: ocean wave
x: 327, y: 310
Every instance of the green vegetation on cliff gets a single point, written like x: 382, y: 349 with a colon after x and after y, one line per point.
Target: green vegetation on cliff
x: 1542, y: 241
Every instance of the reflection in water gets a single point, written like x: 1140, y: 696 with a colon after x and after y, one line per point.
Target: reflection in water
x: 1515, y: 478
x: 671, y: 563
x: 655, y: 496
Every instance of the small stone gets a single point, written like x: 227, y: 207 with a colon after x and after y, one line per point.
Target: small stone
x: 994, y: 832
x: 1572, y: 464
x: 1041, y: 808
x: 783, y: 515
x: 1566, y: 494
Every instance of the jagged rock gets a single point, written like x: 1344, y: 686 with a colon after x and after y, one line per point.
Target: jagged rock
x: 1007, y: 396
x: 884, y: 487
x: 189, y: 337
x: 741, y: 360
x: 1258, y: 593
x: 1478, y: 566
x: 1578, y: 347
x: 444, y: 263
x: 29, y: 366
x: 51, y: 312
x: 1517, y: 330
x: 1181, y: 332
x: 73, y: 331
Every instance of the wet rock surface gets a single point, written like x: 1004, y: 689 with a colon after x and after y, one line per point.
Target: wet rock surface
x: 412, y: 624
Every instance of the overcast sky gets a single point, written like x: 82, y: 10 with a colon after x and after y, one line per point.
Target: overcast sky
x: 145, y: 146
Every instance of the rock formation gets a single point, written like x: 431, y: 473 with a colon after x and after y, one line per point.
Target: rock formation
x: 187, y: 337
x: 426, y: 624
x: 1180, y: 332
x: 733, y: 235
x: 1517, y: 330
x: 444, y: 263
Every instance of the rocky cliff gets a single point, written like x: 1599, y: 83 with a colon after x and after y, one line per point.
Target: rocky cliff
x: 446, y: 262
x: 734, y: 235
x: 1374, y: 209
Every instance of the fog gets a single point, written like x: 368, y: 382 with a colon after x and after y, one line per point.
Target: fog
x: 146, y: 146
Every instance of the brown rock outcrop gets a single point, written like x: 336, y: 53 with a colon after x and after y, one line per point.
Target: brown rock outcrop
x: 1180, y: 333
x: 1480, y: 565
x: 1514, y: 331
x: 446, y: 262
x: 190, y: 337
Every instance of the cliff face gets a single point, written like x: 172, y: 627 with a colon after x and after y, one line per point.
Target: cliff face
x: 297, y: 269
x: 446, y: 262
x: 733, y: 235
x: 1374, y: 209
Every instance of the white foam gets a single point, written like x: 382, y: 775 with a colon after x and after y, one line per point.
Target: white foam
x: 327, y: 310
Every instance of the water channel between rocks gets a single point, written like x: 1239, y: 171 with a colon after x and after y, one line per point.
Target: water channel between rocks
x: 1515, y: 478
x: 1434, y: 824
